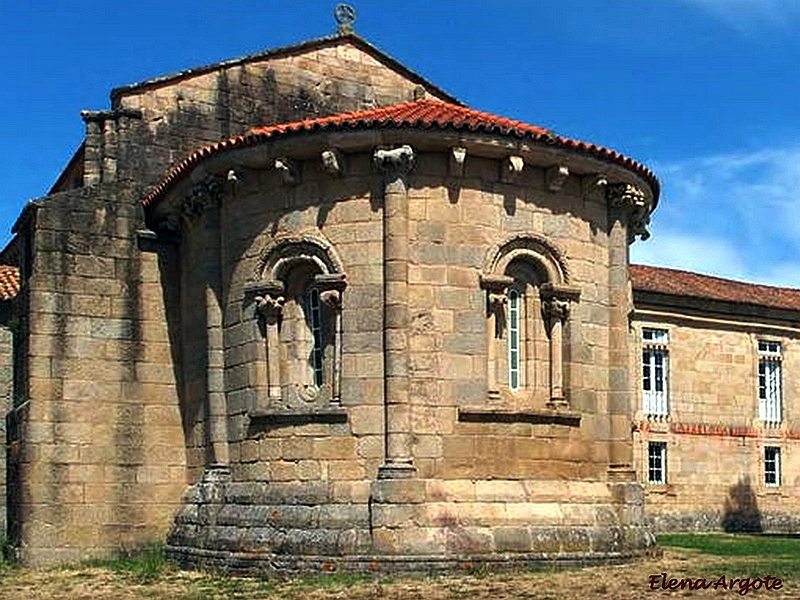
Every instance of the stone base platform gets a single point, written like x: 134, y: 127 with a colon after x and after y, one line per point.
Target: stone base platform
x: 407, y: 525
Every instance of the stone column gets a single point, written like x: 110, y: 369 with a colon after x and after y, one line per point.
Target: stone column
x: 556, y: 301
x: 330, y: 294
x: 207, y: 194
x: 496, y: 287
x: 269, y: 307
x: 395, y: 165
x: 628, y: 215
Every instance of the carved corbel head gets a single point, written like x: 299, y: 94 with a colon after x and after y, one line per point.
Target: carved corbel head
x: 458, y: 157
x: 555, y: 177
x: 288, y: 168
x: 396, y: 161
x: 594, y: 186
x: 511, y: 169
x: 333, y: 162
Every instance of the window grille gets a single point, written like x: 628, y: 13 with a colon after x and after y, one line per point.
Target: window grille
x: 655, y: 372
x: 657, y: 462
x: 772, y: 466
x: 769, y: 382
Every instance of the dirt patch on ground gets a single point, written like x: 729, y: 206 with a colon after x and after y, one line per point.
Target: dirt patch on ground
x: 623, y: 582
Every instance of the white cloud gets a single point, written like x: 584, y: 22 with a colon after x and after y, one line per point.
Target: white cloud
x: 733, y: 215
x: 699, y: 254
x: 750, y: 15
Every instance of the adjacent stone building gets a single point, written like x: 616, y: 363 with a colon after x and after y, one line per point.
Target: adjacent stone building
x: 305, y: 310
x: 717, y: 424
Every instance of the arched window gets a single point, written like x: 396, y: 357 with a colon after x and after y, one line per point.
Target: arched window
x: 299, y: 313
x: 527, y: 305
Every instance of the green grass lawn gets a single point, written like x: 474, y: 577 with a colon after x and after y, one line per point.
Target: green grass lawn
x: 748, y: 555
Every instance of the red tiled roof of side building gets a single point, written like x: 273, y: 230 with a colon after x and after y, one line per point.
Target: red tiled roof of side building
x: 9, y: 282
x: 683, y: 283
x: 426, y: 113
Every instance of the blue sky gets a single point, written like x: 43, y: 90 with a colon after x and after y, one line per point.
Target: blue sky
x: 705, y: 92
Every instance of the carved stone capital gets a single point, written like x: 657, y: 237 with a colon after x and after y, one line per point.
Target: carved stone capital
x: 205, y: 193
x: 554, y: 309
x: 331, y: 298
x: 333, y: 162
x: 289, y: 170
x: 394, y: 162
x: 497, y: 300
x: 330, y: 288
x: 497, y: 291
x: 555, y: 177
x: 268, y: 299
x: 557, y: 301
x: 269, y: 307
x: 630, y: 197
x: 625, y: 195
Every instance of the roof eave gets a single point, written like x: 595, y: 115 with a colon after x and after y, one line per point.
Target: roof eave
x: 713, y: 307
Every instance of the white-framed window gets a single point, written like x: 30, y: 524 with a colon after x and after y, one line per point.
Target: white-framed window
x: 655, y: 371
x: 772, y: 466
x: 769, y: 381
x: 514, y: 339
x: 657, y: 462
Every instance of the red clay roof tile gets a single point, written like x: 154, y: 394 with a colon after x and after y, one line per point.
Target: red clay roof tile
x: 683, y: 283
x: 426, y: 113
x: 9, y: 282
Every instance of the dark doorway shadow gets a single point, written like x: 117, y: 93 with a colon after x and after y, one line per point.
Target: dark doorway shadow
x: 741, y: 514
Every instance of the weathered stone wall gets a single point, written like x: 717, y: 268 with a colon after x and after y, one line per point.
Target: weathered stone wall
x: 451, y: 235
x: 117, y: 349
x: 181, y: 115
x: 306, y: 480
x: 102, y: 462
x: 715, y: 440
x: 453, y: 228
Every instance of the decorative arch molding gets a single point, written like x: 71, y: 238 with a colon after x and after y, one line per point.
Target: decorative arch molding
x: 283, y: 252
x: 514, y: 315
x: 536, y: 249
x: 297, y: 296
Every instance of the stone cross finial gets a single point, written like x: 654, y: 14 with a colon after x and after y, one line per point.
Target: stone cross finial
x: 345, y: 16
